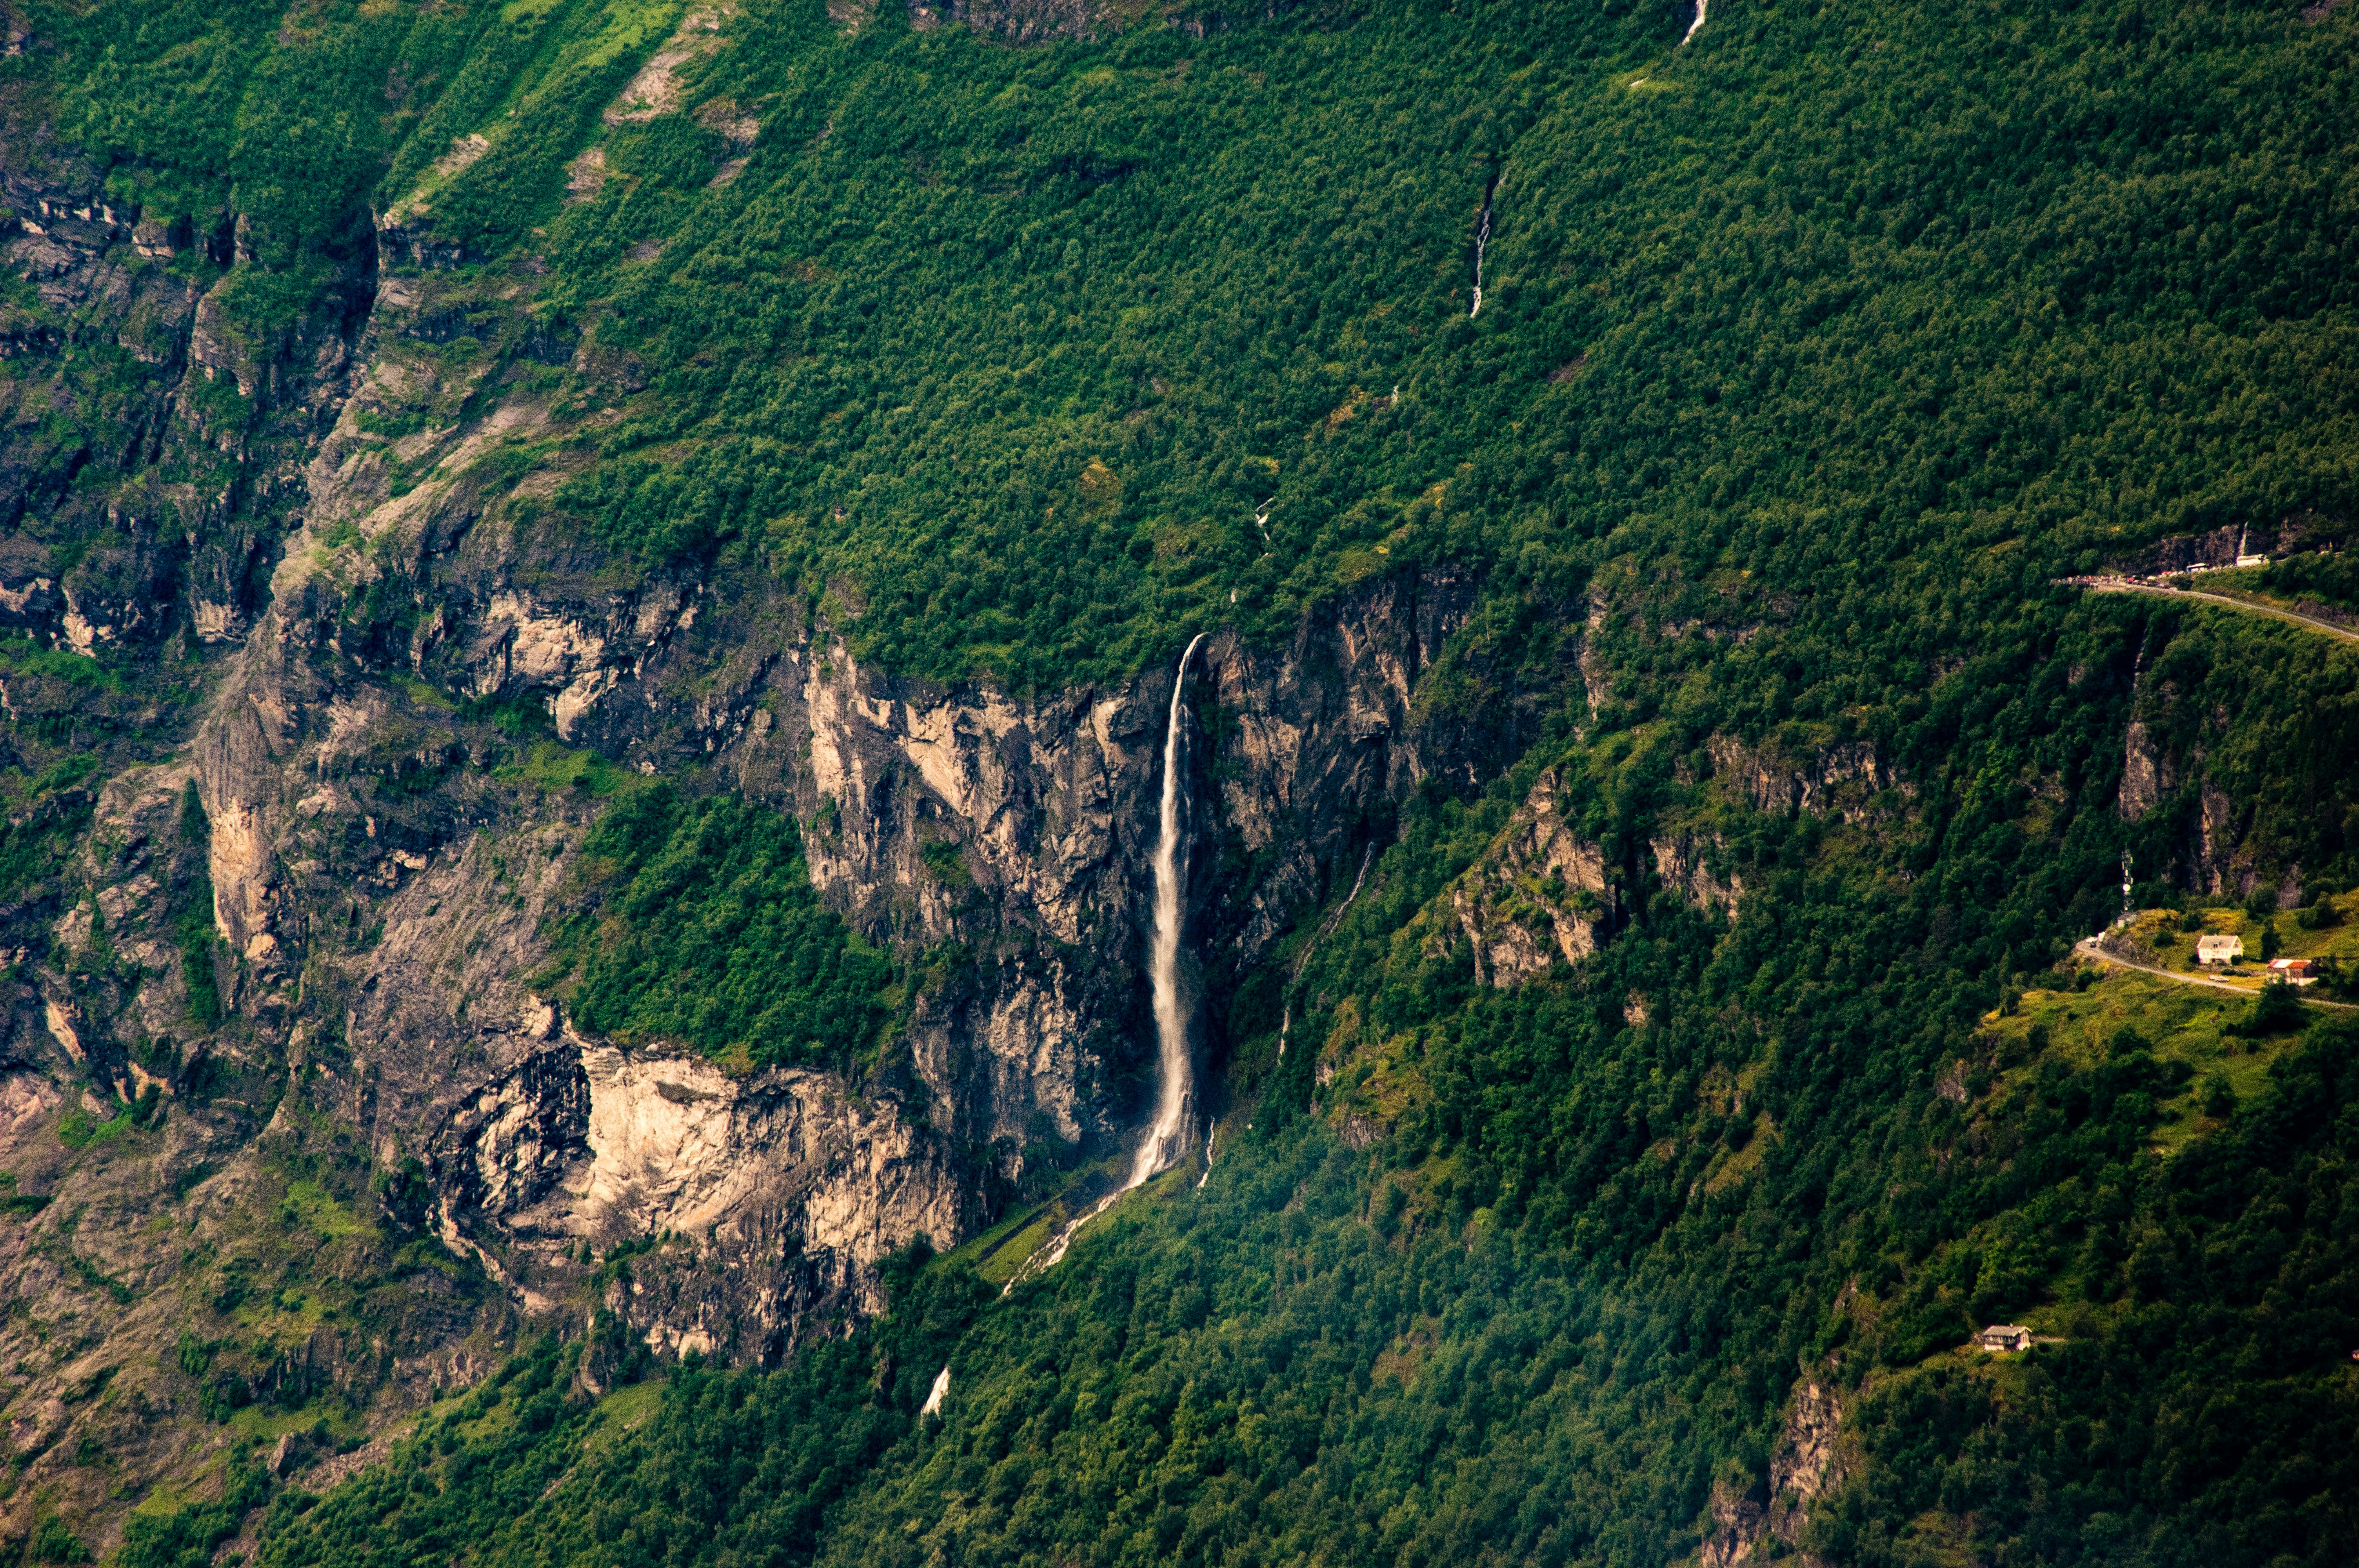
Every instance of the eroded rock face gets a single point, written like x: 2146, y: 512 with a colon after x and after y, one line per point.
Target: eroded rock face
x: 202, y: 477
x: 795, y: 1185
x: 1839, y: 781
x: 785, y: 1189
x: 382, y: 938
x: 1021, y: 21
x: 1808, y: 1464
x: 1692, y: 865
x: 2176, y: 766
x: 1541, y: 893
x: 2146, y: 773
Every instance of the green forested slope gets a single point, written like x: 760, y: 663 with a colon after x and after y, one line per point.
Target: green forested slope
x: 1010, y: 344
x: 1810, y: 353
x: 709, y: 934
x: 1303, y: 1362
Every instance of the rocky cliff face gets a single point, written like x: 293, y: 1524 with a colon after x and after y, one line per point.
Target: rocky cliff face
x: 1765, y: 1523
x: 306, y: 933
x: 353, y: 693
x: 129, y: 367
x: 1541, y: 893
x: 2187, y: 771
x: 1839, y: 781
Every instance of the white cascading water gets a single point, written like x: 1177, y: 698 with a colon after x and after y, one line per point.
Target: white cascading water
x: 1482, y: 242
x: 1177, y: 1087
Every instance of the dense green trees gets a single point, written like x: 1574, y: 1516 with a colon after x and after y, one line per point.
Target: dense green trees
x: 1811, y: 355
x: 1018, y: 367
x: 1024, y: 365
x: 1290, y: 1364
x: 709, y: 933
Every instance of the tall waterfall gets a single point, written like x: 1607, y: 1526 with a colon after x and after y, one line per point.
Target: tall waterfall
x: 1166, y: 1139
x: 1169, y: 1131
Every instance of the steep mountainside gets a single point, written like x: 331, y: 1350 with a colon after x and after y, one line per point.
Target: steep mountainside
x: 591, y: 597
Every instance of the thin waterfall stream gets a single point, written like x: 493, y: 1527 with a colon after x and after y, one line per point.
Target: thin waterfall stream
x: 1482, y: 240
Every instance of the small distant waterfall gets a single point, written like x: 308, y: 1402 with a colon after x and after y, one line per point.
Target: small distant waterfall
x: 1170, y: 1131
x: 1482, y: 241
x: 1698, y: 23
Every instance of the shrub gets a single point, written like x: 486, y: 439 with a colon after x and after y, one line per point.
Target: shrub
x: 2276, y: 1010
x: 53, y: 1541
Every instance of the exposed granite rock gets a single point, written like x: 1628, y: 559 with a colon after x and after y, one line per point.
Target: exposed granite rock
x: 1837, y: 780
x: 1540, y: 894
x: 2146, y: 773
x: 786, y: 1190
x: 1684, y: 862
x: 1766, y: 1521
x: 1021, y: 21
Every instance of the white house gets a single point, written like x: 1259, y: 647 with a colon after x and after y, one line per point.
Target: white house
x: 2000, y: 1338
x: 2219, y: 949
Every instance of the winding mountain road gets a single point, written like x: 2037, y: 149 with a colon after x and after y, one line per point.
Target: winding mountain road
x: 2131, y: 585
x: 2087, y: 949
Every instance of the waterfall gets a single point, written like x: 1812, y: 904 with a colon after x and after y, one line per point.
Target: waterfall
x: 1168, y: 1136
x: 1482, y: 240
x: 1694, y: 26
x: 1170, y: 1125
